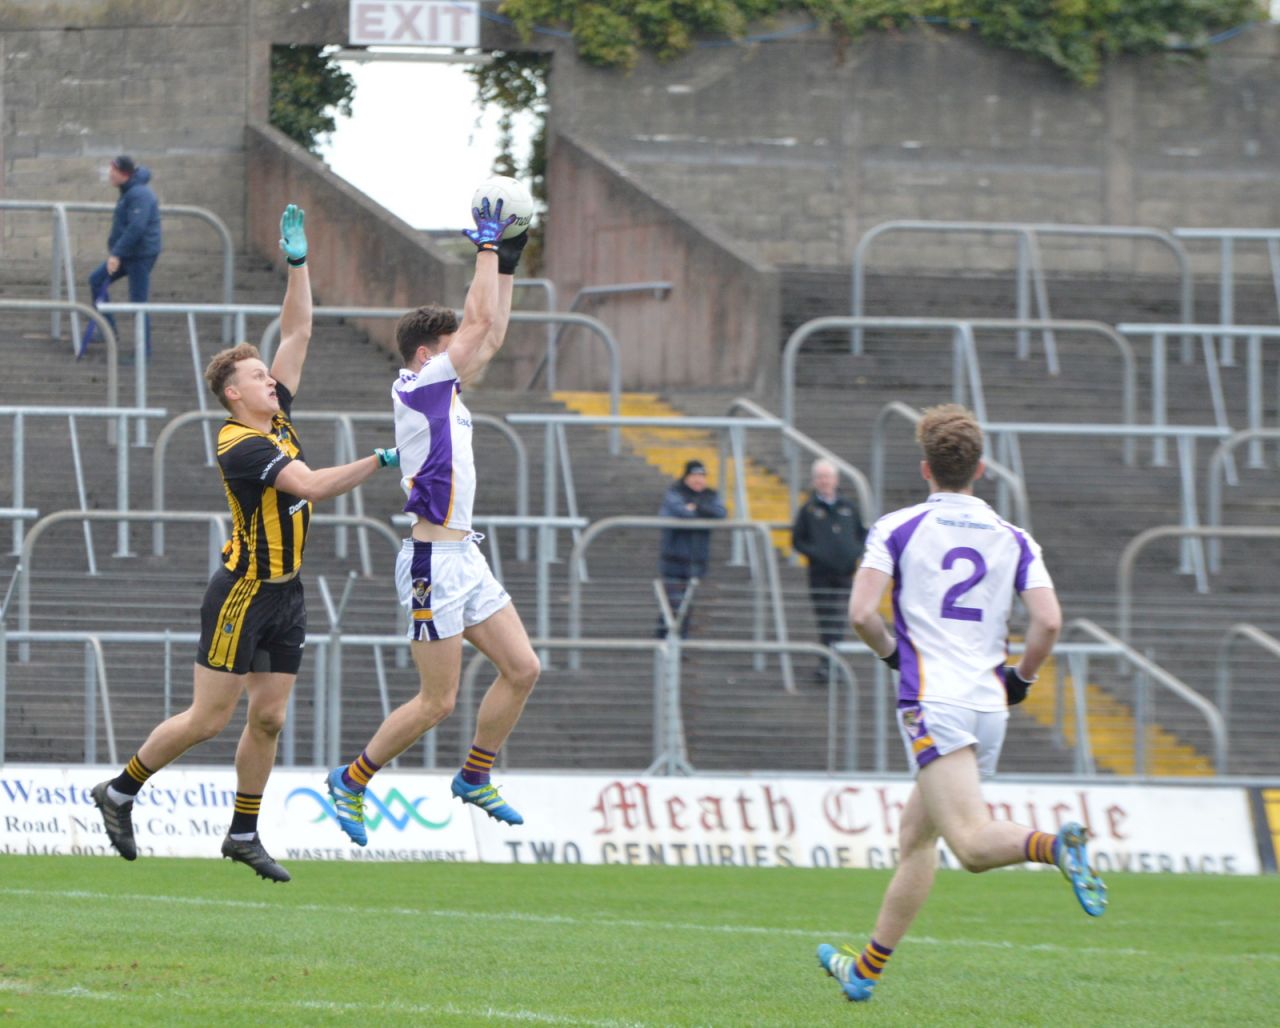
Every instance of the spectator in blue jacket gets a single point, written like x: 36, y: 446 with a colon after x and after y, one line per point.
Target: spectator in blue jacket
x: 134, y: 242
x: 686, y: 551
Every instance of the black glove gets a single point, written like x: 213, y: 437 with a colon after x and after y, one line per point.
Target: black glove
x: 1015, y: 686
x: 892, y: 659
x: 509, y: 251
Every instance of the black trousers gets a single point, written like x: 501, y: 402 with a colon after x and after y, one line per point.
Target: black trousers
x: 829, y: 593
x: 675, y: 588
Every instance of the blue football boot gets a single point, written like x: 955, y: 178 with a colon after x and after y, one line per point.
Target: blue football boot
x: 348, y: 807
x: 1069, y: 848
x: 840, y: 967
x: 487, y: 798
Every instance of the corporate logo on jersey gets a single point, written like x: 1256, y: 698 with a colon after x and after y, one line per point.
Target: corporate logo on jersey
x: 393, y: 809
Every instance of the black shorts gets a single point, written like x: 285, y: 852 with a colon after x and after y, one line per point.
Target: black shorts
x: 247, y: 625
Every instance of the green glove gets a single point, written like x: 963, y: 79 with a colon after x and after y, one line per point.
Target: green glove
x: 387, y: 458
x: 293, y: 237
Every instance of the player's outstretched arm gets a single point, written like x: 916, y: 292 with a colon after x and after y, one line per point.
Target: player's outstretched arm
x: 864, y: 611
x: 295, y: 314
x: 317, y: 484
x: 473, y: 343
x: 1045, y: 624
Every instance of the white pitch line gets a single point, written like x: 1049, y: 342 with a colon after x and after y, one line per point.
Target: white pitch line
x: 329, y: 1006
x: 607, y: 922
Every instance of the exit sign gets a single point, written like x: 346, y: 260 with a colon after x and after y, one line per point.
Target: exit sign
x: 414, y: 24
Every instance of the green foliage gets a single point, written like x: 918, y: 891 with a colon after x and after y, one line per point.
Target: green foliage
x: 307, y: 90
x: 1075, y: 35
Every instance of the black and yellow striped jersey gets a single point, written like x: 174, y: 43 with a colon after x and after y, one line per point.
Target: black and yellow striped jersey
x: 268, y: 527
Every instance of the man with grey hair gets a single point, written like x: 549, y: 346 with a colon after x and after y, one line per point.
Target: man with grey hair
x: 829, y: 532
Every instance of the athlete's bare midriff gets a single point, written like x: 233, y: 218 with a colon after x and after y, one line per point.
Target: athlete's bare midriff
x: 425, y: 531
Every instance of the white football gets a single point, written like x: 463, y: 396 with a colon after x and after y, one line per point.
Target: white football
x: 515, y: 198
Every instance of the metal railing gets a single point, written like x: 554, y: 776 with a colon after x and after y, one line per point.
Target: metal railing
x: 1006, y: 436
x: 217, y: 522
x: 1226, y: 239
x: 795, y: 441
x: 557, y: 463
x: 1148, y: 672
x: 550, y: 318
x: 1029, y: 274
x: 772, y: 578
x: 344, y: 451
x: 117, y: 420
x: 104, y: 326
x: 63, y: 272
x: 1254, y: 335
x: 966, y: 371
x: 660, y: 291
x: 1124, y: 577
x: 1219, y: 464
x: 1009, y: 484
x: 1243, y: 631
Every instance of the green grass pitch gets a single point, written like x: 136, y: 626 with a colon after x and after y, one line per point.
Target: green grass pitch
x: 93, y: 941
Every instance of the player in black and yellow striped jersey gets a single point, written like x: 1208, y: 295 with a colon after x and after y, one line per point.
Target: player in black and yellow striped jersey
x: 253, y: 619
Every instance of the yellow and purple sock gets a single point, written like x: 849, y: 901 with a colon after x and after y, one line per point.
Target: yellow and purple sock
x: 357, y: 775
x: 132, y: 778
x: 479, y: 763
x: 871, y: 961
x: 244, y: 820
x: 1041, y: 848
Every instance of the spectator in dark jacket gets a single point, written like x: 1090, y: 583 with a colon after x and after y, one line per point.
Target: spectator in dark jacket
x: 829, y: 531
x: 686, y: 551
x: 134, y: 242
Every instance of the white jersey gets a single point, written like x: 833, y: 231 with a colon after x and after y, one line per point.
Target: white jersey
x: 956, y: 566
x: 433, y: 434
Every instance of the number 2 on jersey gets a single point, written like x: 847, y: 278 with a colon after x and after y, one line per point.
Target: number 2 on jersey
x: 950, y: 607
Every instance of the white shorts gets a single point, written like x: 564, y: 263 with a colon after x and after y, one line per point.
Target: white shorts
x: 932, y: 730
x: 446, y: 587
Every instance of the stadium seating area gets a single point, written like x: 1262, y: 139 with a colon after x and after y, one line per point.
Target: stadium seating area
x: 1086, y: 506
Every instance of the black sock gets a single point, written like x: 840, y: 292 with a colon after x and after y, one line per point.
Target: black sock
x: 132, y: 778
x: 245, y: 820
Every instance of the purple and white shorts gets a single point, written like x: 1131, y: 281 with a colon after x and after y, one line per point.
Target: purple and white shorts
x: 932, y: 730
x: 446, y: 587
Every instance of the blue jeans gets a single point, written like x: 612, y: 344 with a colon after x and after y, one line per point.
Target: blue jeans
x: 138, y: 271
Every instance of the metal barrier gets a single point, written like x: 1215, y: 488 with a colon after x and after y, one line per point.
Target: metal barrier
x: 793, y: 442
x: 1030, y: 267
x: 215, y: 520
x: 344, y: 451
x: 1218, y: 471
x: 557, y: 463
x: 1255, y: 335
x: 966, y: 373
x: 1149, y: 671
x: 773, y: 580
x: 63, y: 269
x: 104, y: 326
x: 1124, y: 578
x: 269, y: 336
x: 660, y: 291
x: 551, y: 318
x: 1009, y: 482
x: 1193, y: 558
x: 1237, y: 632
x: 1227, y: 238
x: 117, y: 418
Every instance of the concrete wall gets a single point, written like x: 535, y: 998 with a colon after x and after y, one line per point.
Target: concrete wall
x: 794, y: 151
x: 362, y: 256
x: 722, y: 313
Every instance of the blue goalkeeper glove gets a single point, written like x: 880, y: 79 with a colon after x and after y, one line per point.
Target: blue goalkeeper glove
x: 489, y: 226
x: 387, y: 458
x: 293, y: 237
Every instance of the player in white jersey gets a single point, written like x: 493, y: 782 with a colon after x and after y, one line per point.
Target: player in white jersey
x: 955, y: 566
x: 443, y: 579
